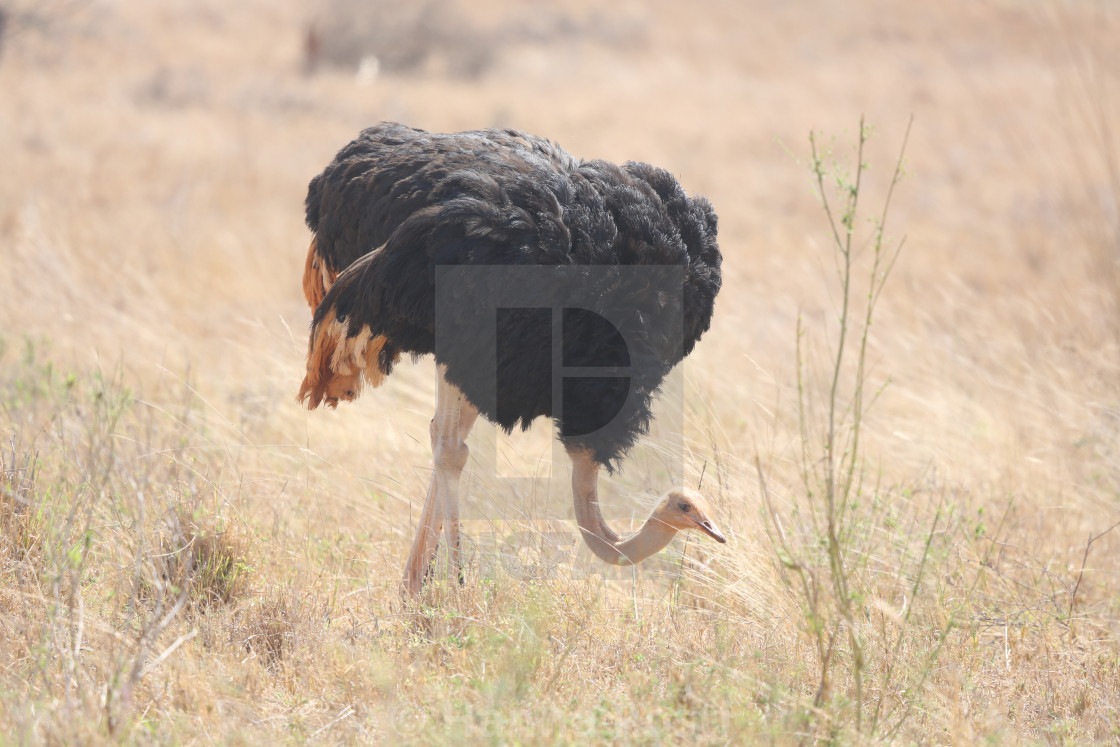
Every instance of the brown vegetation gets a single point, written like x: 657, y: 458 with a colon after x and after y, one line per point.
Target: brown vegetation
x: 187, y: 556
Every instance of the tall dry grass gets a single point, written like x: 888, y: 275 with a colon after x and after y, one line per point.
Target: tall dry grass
x: 185, y: 556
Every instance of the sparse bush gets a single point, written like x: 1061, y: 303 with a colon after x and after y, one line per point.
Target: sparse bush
x: 74, y: 504
x: 47, y: 18
x: 862, y: 584
x: 396, y: 38
x: 445, y: 36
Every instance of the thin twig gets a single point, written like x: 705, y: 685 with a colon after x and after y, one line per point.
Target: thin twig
x: 1084, y: 558
x: 168, y: 651
x: 346, y: 712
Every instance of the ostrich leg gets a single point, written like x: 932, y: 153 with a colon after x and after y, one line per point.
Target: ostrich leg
x: 449, y: 428
x: 455, y: 445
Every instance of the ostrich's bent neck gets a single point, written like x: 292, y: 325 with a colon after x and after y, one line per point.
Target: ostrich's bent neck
x: 652, y: 537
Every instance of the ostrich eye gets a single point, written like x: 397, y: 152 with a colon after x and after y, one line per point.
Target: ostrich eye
x: 685, y: 507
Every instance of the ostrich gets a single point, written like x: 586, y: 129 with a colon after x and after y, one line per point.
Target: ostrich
x: 397, y: 205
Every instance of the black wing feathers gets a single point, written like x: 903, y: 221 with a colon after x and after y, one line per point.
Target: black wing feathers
x: 499, y: 197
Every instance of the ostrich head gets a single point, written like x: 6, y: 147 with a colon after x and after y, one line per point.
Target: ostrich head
x: 682, y: 509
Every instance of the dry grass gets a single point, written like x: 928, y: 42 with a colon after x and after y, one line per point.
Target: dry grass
x: 188, y: 557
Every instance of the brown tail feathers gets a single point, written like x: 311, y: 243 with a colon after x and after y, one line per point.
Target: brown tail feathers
x: 339, y: 365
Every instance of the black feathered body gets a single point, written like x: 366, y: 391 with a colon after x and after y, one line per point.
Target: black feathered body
x: 396, y: 203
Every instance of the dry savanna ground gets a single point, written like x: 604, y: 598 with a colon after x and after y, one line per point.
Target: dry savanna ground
x: 920, y: 511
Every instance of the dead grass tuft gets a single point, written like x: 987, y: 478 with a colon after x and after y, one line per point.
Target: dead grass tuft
x: 197, y: 556
x: 18, y: 537
x: 267, y: 629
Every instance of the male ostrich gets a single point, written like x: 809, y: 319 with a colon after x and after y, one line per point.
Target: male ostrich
x: 396, y: 203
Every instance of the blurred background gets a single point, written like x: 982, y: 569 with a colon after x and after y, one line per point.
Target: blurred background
x: 154, y: 158
x: 156, y: 154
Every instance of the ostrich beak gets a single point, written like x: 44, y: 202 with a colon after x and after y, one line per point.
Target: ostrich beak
x: 708, y: 528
